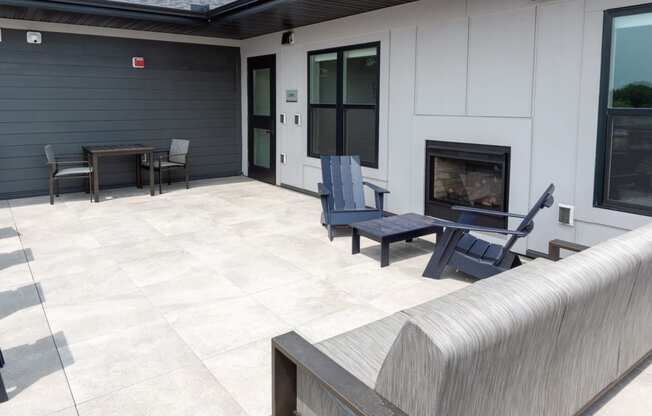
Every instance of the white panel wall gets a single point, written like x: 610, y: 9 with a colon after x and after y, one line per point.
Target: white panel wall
x: 501, y: 58
x: 519, y: 73
x: 442, y: 59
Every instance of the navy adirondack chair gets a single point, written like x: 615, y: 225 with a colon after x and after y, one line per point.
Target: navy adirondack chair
x: 476, y: 257
x: 342, y: 194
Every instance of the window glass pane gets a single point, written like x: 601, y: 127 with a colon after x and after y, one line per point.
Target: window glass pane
x: 323, y: 131
x: 630, y: 160
x: 360, y: 134
x: 323, y: 78
x: 631, y: 62
x: 262, y: 140
x: 361, y: 76
x: 262, y: 92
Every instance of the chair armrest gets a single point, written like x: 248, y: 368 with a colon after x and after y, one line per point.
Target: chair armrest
x: 322, y: 190
x: 376, y: 188
x: 479, y: 228
x: 291, y: 352
x: 486, y: 212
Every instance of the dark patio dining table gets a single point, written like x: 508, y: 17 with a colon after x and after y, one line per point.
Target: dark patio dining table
x: 95, y: 152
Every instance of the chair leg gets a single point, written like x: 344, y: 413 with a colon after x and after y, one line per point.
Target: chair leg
x: 160, y: 184
x: 90, y: 186
x: 51, y: 189
x: 169, y: 178
x: 185, y: 171
x: 442, y: 254
x: 330, y: 232
x: 56, y: 187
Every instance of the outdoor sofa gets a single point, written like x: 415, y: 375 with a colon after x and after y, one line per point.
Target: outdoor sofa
x: 546, y: 338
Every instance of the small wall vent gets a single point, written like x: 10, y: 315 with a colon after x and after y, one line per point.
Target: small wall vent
x: 567, y: 214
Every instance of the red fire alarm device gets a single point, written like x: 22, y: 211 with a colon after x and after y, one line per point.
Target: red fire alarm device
x: 138, y: 62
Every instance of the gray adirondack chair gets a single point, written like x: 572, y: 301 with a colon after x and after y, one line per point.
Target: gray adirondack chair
x: 476, y: 257
x: 342, y: 193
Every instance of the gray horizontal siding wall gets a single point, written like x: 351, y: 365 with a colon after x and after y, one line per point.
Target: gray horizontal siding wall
x: 74, y: 90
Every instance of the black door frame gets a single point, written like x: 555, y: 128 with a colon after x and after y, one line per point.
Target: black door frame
x: 261, y: 122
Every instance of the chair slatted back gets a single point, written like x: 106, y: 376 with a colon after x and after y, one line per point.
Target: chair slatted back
x: 179, y: 150
x: 545, y: 201
x: 342, y: 175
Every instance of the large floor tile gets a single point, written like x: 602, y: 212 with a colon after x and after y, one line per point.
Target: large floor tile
x: 339, y: 322
x: 305, y: 301
x: 261, y: 270
x: 187, y: 391
x: 225, y: 324
x: 104, y: 364
x: 246, y: 373
x: 86, y: 287
x: 198, y: 287
x: 160, y: 267
x: 632, y: 396
x: 34, y: 379
x: 88, y: 320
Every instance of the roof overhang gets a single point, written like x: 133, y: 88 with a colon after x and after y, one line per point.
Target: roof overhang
x: 240, y: 19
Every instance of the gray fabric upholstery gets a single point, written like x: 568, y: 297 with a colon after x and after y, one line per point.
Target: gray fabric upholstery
x: 534, y: 340
x: 363, y: 350
x: 82, y: 170
x: 178, y: 151
x: 542, y: 339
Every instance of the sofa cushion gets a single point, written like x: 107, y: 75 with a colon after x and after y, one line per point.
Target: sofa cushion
x: 482, y: 350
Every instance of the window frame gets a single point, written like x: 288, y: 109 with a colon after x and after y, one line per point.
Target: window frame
x: 606, y: 114
x: 341, y: 107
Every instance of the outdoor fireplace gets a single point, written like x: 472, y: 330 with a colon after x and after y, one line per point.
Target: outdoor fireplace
x: 467, y: 174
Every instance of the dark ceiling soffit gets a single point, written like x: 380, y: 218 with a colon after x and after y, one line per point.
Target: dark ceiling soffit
x: 115, y: 9
x: 142, y: 11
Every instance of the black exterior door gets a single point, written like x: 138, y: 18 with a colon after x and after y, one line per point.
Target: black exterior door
x: 261, y: 74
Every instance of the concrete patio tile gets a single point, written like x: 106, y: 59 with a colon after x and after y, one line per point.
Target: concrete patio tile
x: 138, y: 250
x: 339, y: 322
x: 305, y: 301
x: 246, y: 373
x: 416, y: 294
x: 198, y: 287
x: 225, y: 324
x: 368, y: 280
x: 32, y: 375
x: 126, y: 229
x: 86, y: 287
x: 71, y: 411
x: 187, y: 391
x: 55, y: 265
x: 172, y: 220
x: 311, y: 254
x: 104, y: 364
x: 14, y: 270
x: 160, y: 267
x: 88, y: 320
x: 261, y: 270
x: 34, y: 379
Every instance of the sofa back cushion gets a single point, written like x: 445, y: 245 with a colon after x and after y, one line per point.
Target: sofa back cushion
x: 540, y: 339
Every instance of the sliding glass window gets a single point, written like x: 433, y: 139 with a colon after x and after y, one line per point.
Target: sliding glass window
x: 624, y: 153
x: 343, y: 102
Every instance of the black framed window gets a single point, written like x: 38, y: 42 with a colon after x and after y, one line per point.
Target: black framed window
x: 343, y: 96
x: 624, y: 153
